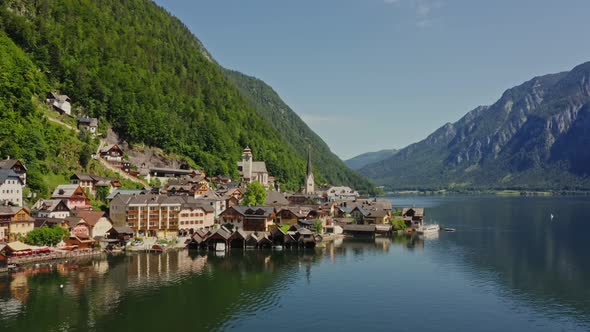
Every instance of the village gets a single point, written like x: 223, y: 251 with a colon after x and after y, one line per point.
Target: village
x: 187, y: 209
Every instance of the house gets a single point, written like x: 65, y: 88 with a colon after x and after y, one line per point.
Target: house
x: 88, y: 124
x: 60, y: 103
x: 248, y: 218
x: 251, y: 171
x: 11, y: 188
x: 97, y: 221
x: 413, y: 216
x: 84, y: 243
x: 15, y: 221
x: 112, y: 153
x: 359, y: 230
x: 51, y: 208
x: 340, y: 193
x: 78, y: 227
x: 122, y: 233
x: 17, y: 166
x: 221, y: 179
x: 91, y: 183
x: 195, y: 215
x: 74, y: 196
x: 370, y: 215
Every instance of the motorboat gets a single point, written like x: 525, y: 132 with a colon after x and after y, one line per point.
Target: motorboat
x: 430, y: 228
x: 449, y: 229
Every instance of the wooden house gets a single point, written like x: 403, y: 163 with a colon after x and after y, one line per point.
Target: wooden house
x: 255, y: 218
x: 17, y: 166
x: 51, y: 208
x: 112, y: 153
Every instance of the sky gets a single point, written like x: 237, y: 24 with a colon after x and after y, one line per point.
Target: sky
x: 379, y: 74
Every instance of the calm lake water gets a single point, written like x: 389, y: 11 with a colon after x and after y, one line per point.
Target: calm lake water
x: 507, y: 268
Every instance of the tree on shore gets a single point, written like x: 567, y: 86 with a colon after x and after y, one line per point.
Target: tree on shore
x: 46, y: 236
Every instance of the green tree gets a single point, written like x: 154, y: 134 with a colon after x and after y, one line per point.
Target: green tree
x: 255, y: 194
x: 46, y: 236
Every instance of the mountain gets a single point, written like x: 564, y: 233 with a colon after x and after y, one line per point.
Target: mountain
x: 536, y: 136
x: 295, y: 131
x: 367, y: 158
x: 142, y: 72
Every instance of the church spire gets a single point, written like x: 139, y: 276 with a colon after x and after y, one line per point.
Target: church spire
x: 309, y: 179
x: 309, y: 169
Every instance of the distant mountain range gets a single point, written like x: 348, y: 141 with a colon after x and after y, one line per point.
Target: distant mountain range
x: 367, y: 158
x: 536, y: 136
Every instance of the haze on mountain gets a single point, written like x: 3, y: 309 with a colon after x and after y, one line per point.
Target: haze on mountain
x: 140, y: 70
x: 536, y: 136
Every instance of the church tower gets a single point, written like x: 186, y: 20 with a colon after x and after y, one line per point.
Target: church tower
x: 247, y: 164
x: 309, y: 180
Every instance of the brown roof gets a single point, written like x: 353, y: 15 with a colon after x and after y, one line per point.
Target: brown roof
x: 91, y: 217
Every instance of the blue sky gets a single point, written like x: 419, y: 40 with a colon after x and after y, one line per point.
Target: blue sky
x: 374, y: 74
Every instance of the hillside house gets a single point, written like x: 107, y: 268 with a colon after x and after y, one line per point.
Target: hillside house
x: 11, y: 188
x: 74, y: 196
x: 88, y: 124
x: 112, y: 153
x: 17, y: 166
x: 51, y: 208
x: 60, y: 103
x: 91, y: 183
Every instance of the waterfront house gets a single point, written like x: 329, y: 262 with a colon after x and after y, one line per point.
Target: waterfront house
x: 112, y: 153
x: 74, y: 196
x: 11, y: 188
x: 238, y: 239
x: 15, y: 221
x: 88, y: 124
x: 17, y: 166
x: 369, y: 215
x: 413, y: 216
x: 60, y: 103
x: 220, y: 235
x: 51, y: 208
x: 97, y: 221
x: 194, y: 215
x: 80, y: 242
x: 121, y: 233
x: 248, y: 218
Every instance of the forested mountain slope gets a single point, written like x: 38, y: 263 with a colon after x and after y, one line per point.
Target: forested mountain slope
x: 133, y: 65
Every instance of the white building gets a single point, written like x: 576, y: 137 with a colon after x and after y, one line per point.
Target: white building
x: 51, y: 208
x: 11, y: 188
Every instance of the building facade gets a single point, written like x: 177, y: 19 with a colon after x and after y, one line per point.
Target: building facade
x: 11, y: 188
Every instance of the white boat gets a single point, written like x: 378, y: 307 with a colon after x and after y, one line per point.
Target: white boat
x: 431, y: 228
x: 219, y: 246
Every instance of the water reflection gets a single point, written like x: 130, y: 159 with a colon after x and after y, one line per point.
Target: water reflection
x: 504, y: 258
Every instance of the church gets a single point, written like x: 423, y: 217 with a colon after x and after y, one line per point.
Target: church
x: 251, y: 171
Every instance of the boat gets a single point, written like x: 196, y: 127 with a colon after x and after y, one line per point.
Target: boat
x: 431, y: 228
x: 449, y: 229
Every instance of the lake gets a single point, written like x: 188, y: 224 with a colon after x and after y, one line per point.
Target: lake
x: 509, y: 267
